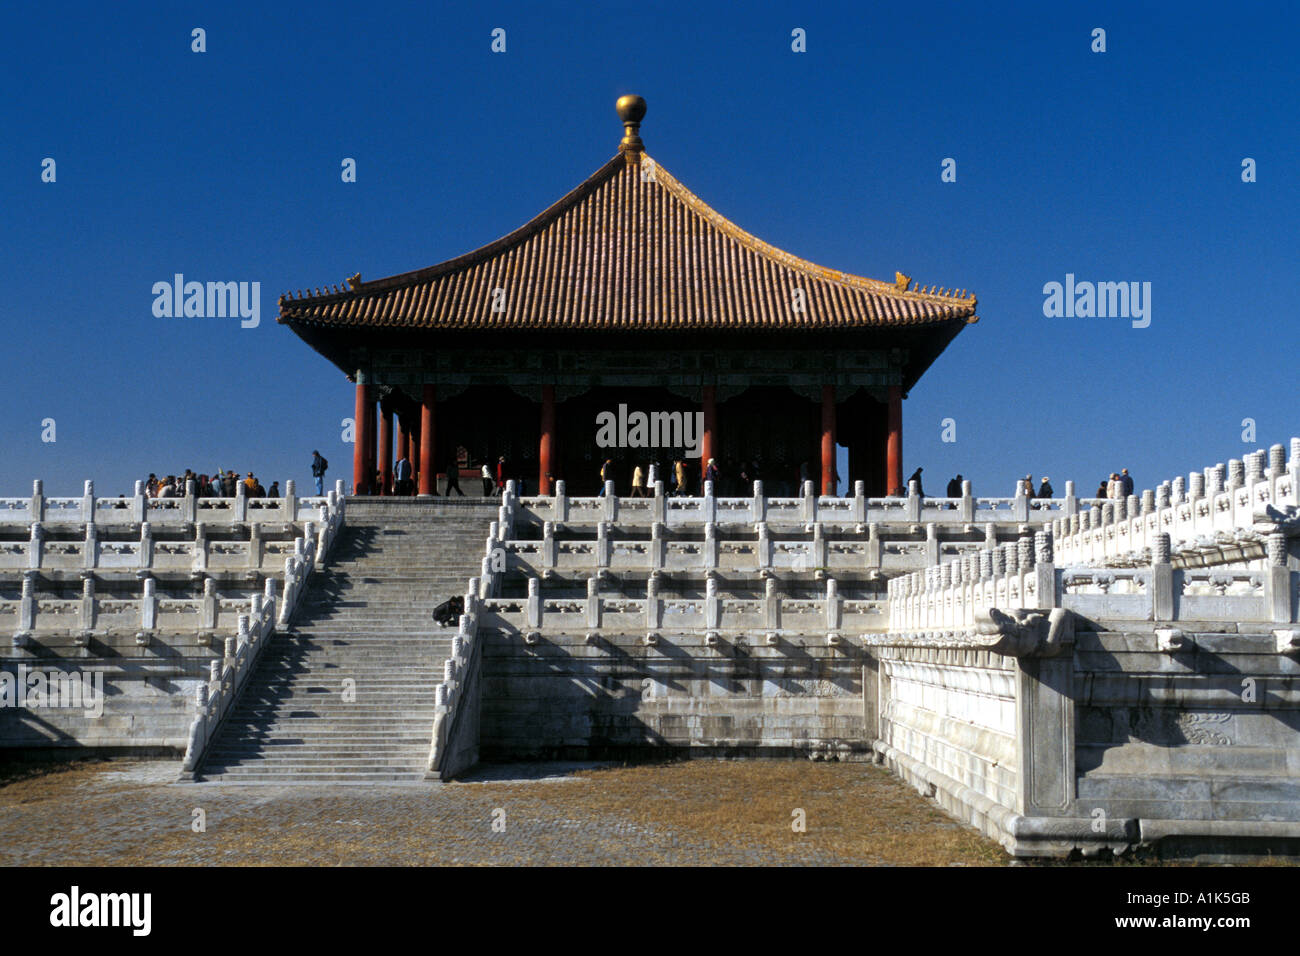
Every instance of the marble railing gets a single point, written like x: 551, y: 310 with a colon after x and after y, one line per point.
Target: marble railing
x: 1222, y: 504
x: 832, y: 616
x: 146, y: 554
x: 255, y: 630
x: 454, y: 744
x: 163, y: 512
x: 685, y: 512
x: 878, y: 552
x: 956, y: 597
x: 33, y: 615
x: 202, y: 554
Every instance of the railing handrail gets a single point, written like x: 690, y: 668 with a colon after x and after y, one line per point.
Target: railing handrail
x: 215, y: 698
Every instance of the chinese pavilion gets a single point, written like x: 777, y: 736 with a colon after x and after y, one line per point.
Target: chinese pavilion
x: 629, y: 291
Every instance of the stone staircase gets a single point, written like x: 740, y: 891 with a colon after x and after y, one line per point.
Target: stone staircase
x: 367, y: 617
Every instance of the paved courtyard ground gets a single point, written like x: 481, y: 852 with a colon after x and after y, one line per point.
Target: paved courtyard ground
x: 132, y: 813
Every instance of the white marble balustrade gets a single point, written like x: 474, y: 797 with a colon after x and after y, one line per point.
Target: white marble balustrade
x: 950, y: 597
x: 1220, y: 503
x: 689, y: 512
x: 137, y: 509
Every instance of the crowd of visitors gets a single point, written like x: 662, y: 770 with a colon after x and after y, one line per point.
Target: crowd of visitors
x: 218, y: 485
x: 684, y: 477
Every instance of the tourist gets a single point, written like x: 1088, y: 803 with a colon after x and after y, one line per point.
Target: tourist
x: 228, y: 484
x: 501, y: 475
x: 402, y: 477
x: 486, y: 475
x: 1102, y: 490
x: 318, y: 467
x: 1126, y: 481
x: 679, y: 477
x: 606, y: 475
x: 916, y: 477
x: 1115, y: 490
x: 711, y: 474
x: 275, y: 490
x: 167, y: 489
x: 638, y: 482
x: 1045, y: 489
x: 453, y: 479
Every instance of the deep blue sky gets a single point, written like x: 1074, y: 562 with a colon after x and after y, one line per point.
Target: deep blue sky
x: 225, y: 166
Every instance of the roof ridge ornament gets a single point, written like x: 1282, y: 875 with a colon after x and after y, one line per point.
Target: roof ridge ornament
x: 631, y: 110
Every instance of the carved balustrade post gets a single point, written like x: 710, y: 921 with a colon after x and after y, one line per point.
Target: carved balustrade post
x: 1162, y: 579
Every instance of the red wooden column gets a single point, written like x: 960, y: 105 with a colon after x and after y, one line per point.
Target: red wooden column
x: 709, y: 437
x: 546, y: 447
x: 413, y: 450
x: 894, y: 444
x: 428, y: 480
x: 402, y: 439
x: 372, y: 453
x: 828, y: 439
x: 385, y: 450
x: 362, y: 436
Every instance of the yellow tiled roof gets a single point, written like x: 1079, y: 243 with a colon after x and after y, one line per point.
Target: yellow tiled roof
x: 629, y: 248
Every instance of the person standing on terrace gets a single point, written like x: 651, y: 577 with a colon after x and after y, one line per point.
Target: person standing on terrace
x: 318, y: 468
x: 452, y: 470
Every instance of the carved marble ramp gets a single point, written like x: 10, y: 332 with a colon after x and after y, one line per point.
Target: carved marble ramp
x: 367, y: 618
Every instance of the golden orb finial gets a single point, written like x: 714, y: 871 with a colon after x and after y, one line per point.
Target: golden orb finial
x: 631, y: 110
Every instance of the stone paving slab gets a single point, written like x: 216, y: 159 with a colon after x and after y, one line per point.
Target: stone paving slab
x: 701, y: 812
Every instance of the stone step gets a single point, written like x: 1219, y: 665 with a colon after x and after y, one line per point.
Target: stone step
x: 246, y: 724
x: 319, y: 732
x: 371, y: 677
x: 250, y: 777
x: 367, y: 616
x: 362, y: 742
x: 326, y: 760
